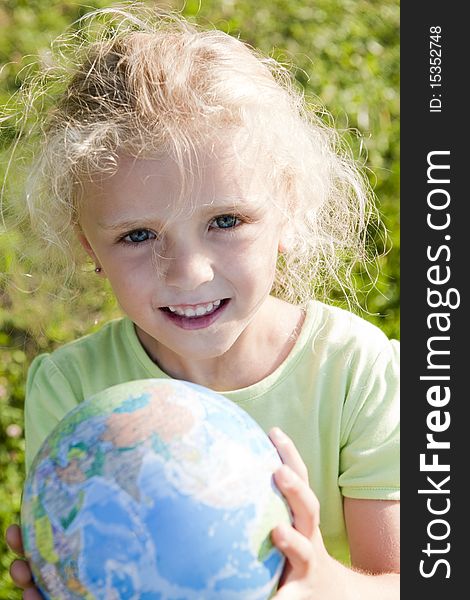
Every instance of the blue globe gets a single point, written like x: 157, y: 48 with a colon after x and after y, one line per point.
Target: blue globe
x: 154, y: 489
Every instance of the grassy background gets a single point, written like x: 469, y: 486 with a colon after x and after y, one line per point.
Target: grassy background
x: 347, y: 54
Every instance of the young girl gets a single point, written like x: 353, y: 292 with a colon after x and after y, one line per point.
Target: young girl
x: 190, y: 171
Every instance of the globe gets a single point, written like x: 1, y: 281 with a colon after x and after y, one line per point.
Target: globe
x: 154, y: 489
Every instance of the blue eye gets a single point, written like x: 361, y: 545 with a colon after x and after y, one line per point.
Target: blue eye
x: 138, y: 236
x: 226, y: 222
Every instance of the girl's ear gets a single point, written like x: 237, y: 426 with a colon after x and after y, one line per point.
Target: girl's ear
x: 281, y: 247
x: 88, y: 249
x: 85, y: 243
x: 285, y: 239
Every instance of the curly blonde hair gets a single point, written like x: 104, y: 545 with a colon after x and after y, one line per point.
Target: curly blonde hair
x: 137, y: 80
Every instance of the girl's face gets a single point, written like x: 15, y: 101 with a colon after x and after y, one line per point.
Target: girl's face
x: 191, y: 275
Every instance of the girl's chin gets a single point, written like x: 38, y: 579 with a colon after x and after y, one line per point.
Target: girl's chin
x: 180, y: 360
x: 171, y: 355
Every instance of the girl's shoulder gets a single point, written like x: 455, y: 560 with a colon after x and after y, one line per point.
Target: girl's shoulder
x: 336, y: 330
x: 89, y: 349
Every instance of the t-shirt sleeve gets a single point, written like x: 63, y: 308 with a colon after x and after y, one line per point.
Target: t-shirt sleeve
x: 370, y: 440
x: 48, y: 398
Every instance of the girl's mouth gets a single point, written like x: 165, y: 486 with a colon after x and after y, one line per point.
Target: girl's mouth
x: 197, y: 316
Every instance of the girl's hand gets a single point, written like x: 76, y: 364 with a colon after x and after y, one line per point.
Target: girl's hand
x: 309, y: 568
x: 19, y: 569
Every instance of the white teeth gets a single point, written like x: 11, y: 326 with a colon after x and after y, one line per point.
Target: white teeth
x: 198, y: 311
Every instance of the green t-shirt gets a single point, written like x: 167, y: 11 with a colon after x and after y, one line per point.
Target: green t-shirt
x: 335, y: 395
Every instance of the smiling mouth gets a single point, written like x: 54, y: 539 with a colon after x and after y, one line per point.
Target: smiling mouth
x: 195, y: 311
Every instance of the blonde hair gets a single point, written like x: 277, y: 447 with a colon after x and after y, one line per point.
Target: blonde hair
x: 137, y: 80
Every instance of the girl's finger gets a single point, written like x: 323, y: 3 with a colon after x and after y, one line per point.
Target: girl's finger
x: 21, y: 573
x: 296, y: 548
x: 283, y: 594
x: 288, y: 452
x: 301, y: 499
x: 14, y: 539
x: 290, y: 591
x: 32, y: 594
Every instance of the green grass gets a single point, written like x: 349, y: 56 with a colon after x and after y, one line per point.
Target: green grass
x: 347, y: 54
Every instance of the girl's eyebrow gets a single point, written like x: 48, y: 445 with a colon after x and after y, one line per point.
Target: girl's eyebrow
x: 234, y: 203
x: 123, y: 225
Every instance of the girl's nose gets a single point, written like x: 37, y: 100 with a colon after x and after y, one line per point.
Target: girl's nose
x: 189, y: 270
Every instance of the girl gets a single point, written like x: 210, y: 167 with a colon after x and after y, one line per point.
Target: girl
x: 190, y: 171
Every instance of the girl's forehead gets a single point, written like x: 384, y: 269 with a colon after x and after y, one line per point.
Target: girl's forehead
x: 218, y: 179
x: 214, y: 173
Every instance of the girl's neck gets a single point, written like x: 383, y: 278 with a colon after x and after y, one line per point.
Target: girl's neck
x: 261, y: 349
